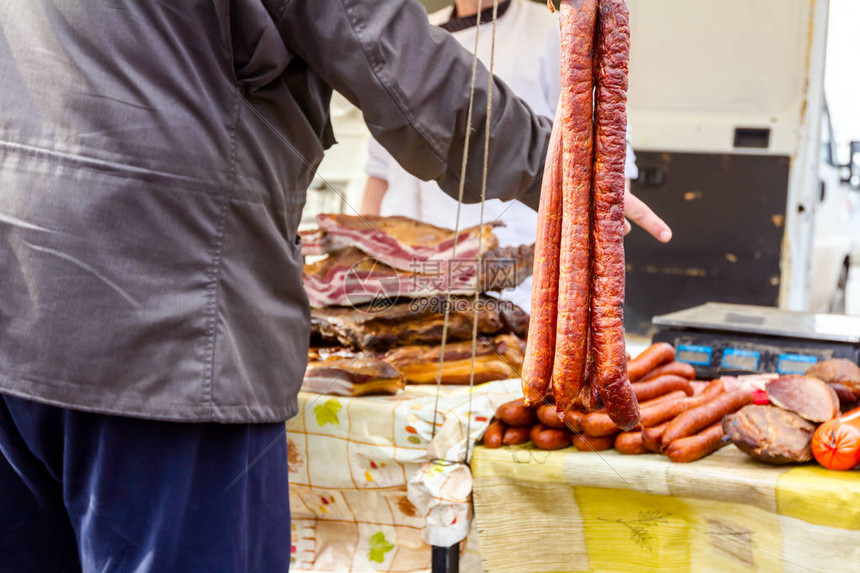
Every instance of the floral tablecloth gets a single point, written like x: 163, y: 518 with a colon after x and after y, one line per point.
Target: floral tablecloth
x: 371, y: 488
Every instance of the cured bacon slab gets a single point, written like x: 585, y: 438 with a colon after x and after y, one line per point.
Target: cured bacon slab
x: 400, y: 242
x: 497, y: 359
x: 416, y: 322
x: 350, y: 277
x: 357, y: 375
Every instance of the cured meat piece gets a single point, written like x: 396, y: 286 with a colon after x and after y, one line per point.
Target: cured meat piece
x: 697, y: 446
x: 350, y: 277
x: 352, y: 377
x: 770, y: 434
x: 706, y: 414
x: 808, y: 397
x: 681, y: 369
x: 840, y: 374
x: 540, y: 349
x: 657, y: 387
x: 651, y: 358
x: 411, y: 323
x: 403, y: 243
x: 577, y: 47
x: 607, y: 235
x: 316, y: 242
x: 498, y: 359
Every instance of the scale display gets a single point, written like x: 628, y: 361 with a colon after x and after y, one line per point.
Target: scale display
x: 737, y: 359
x: 721, y: 339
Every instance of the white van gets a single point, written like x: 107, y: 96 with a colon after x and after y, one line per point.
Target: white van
x: 735, y: 151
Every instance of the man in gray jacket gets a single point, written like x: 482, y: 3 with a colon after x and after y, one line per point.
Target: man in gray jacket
x: 154, y: 157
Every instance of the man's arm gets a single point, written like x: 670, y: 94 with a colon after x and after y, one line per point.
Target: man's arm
x: 411, y: 82
x: 374, y: 191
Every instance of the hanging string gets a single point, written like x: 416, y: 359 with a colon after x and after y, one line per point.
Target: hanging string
x: 479, y: 276
x: 462, y: 187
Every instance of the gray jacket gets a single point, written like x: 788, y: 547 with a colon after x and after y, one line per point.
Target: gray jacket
x: 154, y: 157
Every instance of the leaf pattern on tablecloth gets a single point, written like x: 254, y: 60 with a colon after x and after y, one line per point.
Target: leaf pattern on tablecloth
x: 379, y: 546
x: 326, y: 413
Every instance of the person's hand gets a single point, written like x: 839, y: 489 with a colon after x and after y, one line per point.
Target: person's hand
x: 637, y: 211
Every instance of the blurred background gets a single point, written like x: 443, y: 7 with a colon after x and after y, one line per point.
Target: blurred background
x: 742, y: 116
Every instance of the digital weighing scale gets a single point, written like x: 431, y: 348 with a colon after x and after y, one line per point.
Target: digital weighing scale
x: 718, y: 338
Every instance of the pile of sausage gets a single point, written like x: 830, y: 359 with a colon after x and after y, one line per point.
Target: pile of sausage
x: 676, y: 419
x: 576, y: 338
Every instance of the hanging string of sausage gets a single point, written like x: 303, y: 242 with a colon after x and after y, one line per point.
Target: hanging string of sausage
x: 576, y: 337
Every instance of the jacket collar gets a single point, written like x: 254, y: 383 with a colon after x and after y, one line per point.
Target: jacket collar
x: 457, y: 24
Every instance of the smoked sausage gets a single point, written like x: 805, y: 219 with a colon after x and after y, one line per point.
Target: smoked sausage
x: 540, y: 345
x: 664, y: 410
x: 696, y: 446
x: 600, y: 424
x: 612, y: 51
x: 549, y: 438
x: 577, y: 52
x: 653, y: 357
x: 657, y: 387
x: 681, y: 369
x: 592, y: 443
x: 516, y: 435
x: 706, y: 414
x: 652, y: 438
x: 548, y: 416
x: 494, y: 433
x: 573, y: 420
x: 630, y: 443
x: 516, y: 413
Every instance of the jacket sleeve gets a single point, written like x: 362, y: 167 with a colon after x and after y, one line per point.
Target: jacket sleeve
x: 412, y: 82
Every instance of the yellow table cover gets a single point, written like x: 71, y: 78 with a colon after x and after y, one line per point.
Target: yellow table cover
x: 567, y: 510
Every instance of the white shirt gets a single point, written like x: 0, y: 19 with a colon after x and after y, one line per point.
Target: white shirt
x: 528, y: 59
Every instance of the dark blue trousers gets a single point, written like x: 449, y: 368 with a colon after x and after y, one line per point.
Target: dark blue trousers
x: 95, y: 493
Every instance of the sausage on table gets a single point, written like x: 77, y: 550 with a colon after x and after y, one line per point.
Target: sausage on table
x: 573, y: 420
x: 607, y: 237
x: 516, y: 435
x: 494, y: 433
x: 652, y: 438
x: 549, y: 417
x: 516, y: 413
x: 630, y: 443
x: 657, y: 387
x: 549, y: 438
x: 653, y: 357
x: 681, y: 369
x: 696, y: 446
x: 707, y: 414
x: 592, y: 443
x: 600, y: 424
x: 540, y: 345
x: 577, y: 45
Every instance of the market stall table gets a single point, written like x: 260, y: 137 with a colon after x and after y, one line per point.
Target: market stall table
x: 600, y: 511
x: 365, y: 492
